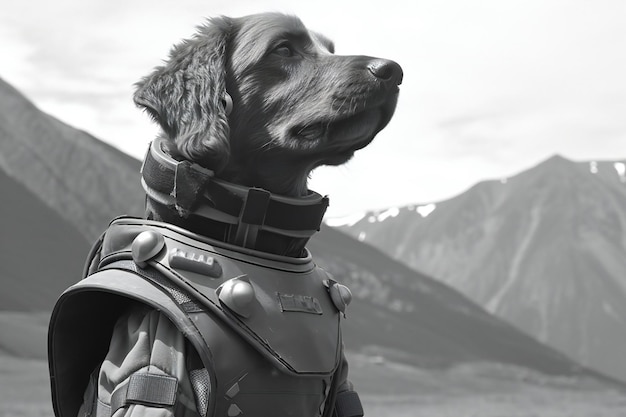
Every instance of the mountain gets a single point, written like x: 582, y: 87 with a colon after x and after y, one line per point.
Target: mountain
x: 409, y: 317
x: 397, y: 314
x: 80, y: 177
x: 41, y: 253
x: 545, y: 250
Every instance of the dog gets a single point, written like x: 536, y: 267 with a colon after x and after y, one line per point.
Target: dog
x: 262, y: 101
x: 258, y: 101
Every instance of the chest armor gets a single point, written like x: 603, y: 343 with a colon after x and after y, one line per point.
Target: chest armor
x: 266, y: 327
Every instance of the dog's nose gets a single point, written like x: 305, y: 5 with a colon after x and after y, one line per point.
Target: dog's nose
x: 386, y: 70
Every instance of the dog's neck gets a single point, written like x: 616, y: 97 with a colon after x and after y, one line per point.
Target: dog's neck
x: 189, y: 196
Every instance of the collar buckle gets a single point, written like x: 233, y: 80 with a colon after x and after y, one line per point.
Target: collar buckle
x: 252, y: 217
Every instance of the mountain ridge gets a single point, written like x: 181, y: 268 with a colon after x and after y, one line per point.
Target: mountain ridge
x: 544, y: 249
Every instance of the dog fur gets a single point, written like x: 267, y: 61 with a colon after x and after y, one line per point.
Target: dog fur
x: 295, y: 104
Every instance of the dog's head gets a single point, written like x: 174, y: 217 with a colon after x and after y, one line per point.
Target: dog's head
x: 262, y: 101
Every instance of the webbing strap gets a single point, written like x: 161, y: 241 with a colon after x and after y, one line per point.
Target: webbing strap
x: 146, y: 389
x: 331, y: 398
x: 188, y: 182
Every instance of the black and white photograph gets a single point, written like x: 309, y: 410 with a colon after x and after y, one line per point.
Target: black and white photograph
x: 313, y: 209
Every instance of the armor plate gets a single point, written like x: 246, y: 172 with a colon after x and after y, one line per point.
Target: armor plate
x: 216, y: 295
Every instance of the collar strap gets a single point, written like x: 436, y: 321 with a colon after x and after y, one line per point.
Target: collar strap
x: 193, y: 189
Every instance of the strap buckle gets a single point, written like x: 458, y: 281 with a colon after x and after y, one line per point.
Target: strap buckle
x: 252, y: 217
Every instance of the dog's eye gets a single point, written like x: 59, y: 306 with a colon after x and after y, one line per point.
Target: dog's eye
x: 285, y: 50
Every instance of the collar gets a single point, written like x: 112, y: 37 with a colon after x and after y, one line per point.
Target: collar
x: 190, y: 196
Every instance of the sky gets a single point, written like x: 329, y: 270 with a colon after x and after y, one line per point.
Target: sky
x: 490, y: 87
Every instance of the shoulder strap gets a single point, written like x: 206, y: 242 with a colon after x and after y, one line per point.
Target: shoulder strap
x: 329, y: 408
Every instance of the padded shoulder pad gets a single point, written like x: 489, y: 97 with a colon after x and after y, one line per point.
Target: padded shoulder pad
x: 82, y: 323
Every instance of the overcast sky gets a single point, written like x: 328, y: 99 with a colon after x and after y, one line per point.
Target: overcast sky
x: 491, y: 87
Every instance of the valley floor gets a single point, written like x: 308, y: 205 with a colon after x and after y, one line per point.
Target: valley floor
x: 391, y: 390
x: 479, y: 390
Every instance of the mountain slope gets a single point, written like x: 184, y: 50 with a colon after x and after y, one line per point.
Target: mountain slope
x: 41, y: 253
x: 77, y: 175
x: 545, y: 249
x: 400, y: 307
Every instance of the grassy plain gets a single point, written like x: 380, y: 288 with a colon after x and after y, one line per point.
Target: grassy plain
x: 392, y: 390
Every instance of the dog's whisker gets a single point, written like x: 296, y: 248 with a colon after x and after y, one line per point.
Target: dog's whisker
x: 266, y: 146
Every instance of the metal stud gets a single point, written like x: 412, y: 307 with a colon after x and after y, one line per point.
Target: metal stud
x: 339, y: 294
x: 238, y: 295
x: 146, y: 246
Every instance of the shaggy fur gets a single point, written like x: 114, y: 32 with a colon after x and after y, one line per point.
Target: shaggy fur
x: 295, y: 105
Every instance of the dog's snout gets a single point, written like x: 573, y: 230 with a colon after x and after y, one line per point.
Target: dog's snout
x: 386, y: 70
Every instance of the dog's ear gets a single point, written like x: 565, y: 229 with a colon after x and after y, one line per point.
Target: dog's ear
x: 187, y: 96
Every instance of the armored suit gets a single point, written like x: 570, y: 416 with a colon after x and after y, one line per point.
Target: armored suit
x: 172, y: 322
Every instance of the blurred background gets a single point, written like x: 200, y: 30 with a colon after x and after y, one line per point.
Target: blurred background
x: 483, y: 232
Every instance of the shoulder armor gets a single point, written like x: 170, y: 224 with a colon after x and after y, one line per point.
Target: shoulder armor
x: 278, y: 304
x: 287, y: 310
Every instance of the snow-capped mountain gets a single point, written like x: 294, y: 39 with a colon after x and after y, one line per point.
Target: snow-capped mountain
x: 545, y: 249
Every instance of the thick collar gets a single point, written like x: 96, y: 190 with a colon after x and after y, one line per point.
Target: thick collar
x: 188, y: 195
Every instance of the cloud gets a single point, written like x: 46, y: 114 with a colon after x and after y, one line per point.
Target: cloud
x: 490, y: 87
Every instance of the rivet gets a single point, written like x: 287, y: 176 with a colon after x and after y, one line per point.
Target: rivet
x: 341, y: 296
x: 237, y: 295
x: 146, y: 246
